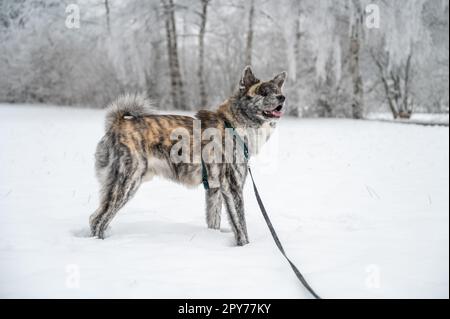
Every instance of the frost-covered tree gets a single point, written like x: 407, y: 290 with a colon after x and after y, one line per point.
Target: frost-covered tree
x: 403, y: 49
x: 43, y: 61
x: 189, y: 54
x: 201, y: 52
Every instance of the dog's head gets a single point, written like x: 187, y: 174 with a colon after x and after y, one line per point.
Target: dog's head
x: 261, y: 101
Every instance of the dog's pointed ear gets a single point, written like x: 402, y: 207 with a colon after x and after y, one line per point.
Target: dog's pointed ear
x: 280, y: 79
x: 248, y: 79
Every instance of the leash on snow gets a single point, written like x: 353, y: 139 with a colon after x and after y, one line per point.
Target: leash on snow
x: 277, y: 240
x: 263, y: 211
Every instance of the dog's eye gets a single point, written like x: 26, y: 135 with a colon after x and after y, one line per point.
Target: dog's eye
x: 262, y: 92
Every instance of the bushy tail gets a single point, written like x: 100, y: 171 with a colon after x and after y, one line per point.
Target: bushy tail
x: 126, y: 107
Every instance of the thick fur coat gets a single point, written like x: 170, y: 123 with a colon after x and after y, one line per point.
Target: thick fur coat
x: 139, y: 145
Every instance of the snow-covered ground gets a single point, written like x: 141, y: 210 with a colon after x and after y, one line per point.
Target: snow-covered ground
x: 361, y: 207
x: 417, y: 118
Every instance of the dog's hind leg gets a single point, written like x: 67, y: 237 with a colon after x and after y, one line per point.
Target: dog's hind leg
x: 120, y: 181
x: 213, y: 207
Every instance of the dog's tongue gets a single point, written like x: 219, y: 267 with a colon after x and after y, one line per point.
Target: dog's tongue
x: 276, y: 113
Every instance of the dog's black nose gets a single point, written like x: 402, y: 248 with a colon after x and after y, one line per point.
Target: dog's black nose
x: 281, y: 98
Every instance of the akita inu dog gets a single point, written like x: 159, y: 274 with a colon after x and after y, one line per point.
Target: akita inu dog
x: 139, y: 144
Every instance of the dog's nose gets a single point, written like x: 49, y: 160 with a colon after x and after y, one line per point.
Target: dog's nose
x: 281, y: 98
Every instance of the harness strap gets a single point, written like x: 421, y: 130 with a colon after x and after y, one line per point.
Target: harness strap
x: 239, y: 140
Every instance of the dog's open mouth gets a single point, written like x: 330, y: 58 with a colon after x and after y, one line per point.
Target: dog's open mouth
x: 275, y: 113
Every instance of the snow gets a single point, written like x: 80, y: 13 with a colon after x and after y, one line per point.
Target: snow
x: 416, y: 118
x: 361, y: 207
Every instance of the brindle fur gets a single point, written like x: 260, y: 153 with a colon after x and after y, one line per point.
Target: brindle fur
x: 137, y: 146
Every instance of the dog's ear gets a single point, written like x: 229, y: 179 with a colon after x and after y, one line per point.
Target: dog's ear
x: 280, y: 79
x: 248, y: 79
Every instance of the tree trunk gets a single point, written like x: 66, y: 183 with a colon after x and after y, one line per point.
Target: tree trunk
x: 201, y: 54
x: 386, y: 87
x: 108, y: 23
x: 177, y: 89
x: 298, y: 36
x: 151, y: 80
x: 295, y: 111
x: 153, y: 83
x: 406, y: 99
x: 250, y: 32
x: 355, y: 48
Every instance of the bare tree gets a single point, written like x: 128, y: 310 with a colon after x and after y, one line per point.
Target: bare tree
x: 108, y: 21
x: 297, y: 70
x: 177, y: 88
x: 354, y: 63
x: 298, y: 36
x: 331, y: 93
x: 321, y: 43
x: 250, y: 33
x: 155, y: 67
x: 396, y: 83
x: 201, y: 53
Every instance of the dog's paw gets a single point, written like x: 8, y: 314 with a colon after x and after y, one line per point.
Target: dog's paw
x: 242, y: 242
x: 214, y: 227
x: 102, y: 234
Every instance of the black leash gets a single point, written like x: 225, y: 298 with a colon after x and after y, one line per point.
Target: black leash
x: 277, y: 240
x: 263, y: 210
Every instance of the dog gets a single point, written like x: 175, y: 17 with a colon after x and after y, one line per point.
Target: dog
x: 140, y: 144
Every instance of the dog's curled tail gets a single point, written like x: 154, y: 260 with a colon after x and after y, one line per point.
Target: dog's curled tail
x: 127, y: 107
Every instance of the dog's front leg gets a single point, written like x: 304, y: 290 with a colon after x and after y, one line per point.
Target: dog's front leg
x: 234, y: 202
x: 213, y: 207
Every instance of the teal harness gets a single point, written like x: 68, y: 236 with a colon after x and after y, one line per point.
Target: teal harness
x: 243, y: 146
